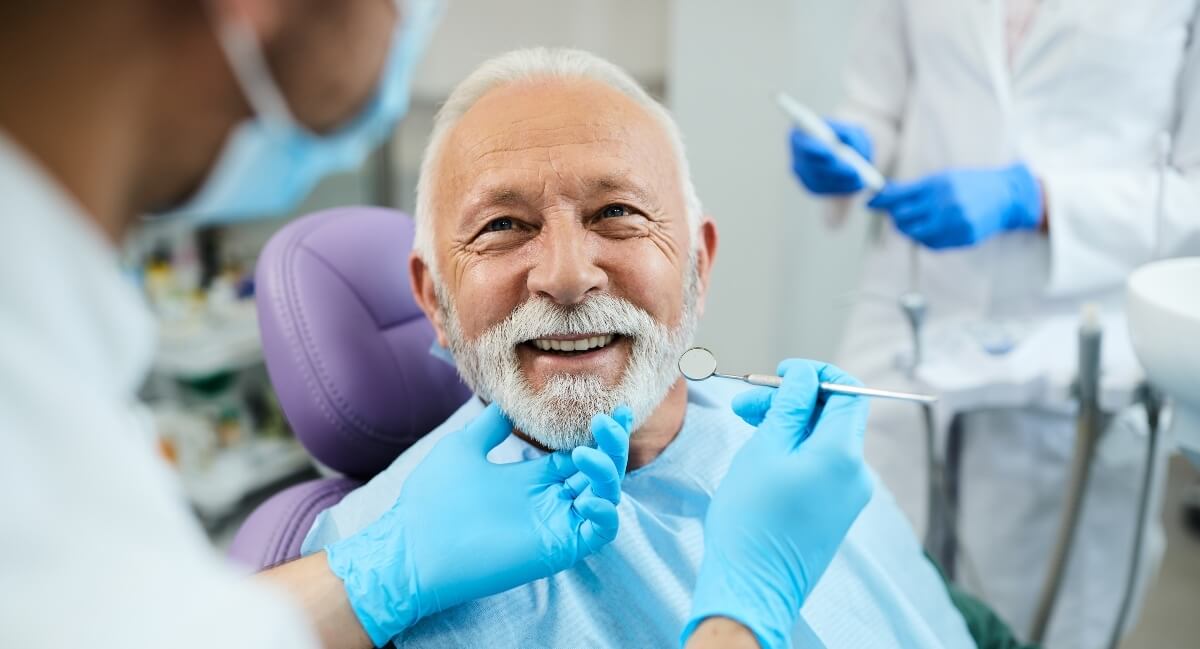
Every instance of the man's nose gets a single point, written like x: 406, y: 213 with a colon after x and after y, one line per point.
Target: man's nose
x: 565, y: 270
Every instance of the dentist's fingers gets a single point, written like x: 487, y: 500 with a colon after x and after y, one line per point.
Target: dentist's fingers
x: 601, y: 521
x: 612, y: 435
x: 937, y: 234
x: 624, y: 416
x: 752, y: 405
x: 601, y: 473
x: 912, y: 213
x: 842, y: 422
x: 554, y: 466
x: 829, y: 373
x: 810, y: 147
x: 576, y: 484
x: 840, y: 178
x: 794, y: 405
x: 486, y: 431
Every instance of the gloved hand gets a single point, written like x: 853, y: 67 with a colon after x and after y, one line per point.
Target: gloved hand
x: 963, y: 207
x: 789, y: 498
x: 464, y: 528
x: 822, y: 173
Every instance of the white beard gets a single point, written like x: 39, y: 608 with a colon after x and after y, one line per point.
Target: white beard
x: 559, y: 415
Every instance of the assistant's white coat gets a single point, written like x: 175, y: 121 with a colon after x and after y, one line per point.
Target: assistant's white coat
x: 1085, y: 100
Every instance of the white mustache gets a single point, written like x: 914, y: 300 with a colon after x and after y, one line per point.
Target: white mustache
x: 558, y: 413
x: 599, y: 314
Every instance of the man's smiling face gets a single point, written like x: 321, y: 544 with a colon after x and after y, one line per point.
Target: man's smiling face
x: 569, y: 278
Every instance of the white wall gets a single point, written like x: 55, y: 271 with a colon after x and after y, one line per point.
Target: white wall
x: 780, y: 274
x: 629, y: 33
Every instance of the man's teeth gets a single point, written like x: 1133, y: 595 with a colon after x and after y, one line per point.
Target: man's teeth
x: 582, y: 345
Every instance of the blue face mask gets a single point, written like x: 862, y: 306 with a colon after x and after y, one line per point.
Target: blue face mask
x: 271, y: 162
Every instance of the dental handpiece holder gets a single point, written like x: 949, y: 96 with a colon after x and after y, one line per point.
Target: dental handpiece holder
x: 1091, y: 423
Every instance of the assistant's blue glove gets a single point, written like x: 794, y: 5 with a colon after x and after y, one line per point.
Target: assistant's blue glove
x: 820, y: 171
x: 789, y: 498
x: 963, y: 207
x: 464, y: 528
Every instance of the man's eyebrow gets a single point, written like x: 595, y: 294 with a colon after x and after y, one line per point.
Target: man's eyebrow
x: 619, y: 184
x: 496, y: 196
x: 500, y: 196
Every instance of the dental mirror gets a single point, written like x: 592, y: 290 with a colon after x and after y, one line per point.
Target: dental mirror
x: 698, y: 364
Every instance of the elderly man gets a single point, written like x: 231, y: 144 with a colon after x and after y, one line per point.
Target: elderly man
x: 563, y: 258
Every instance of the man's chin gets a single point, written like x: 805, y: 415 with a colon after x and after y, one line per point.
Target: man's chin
x: 560, y: 422
x: 563, y: 443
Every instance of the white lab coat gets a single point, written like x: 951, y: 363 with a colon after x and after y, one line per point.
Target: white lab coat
x: 97, y: 545
x: 1092, y: 88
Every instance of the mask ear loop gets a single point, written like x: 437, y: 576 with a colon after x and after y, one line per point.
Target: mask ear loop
x: 244, y: 55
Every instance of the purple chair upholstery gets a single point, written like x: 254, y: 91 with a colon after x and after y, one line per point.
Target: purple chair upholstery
x: 272, y: 534
x: 347, y: 350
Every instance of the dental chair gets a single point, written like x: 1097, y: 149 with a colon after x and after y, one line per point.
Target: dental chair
x: 347, y: 351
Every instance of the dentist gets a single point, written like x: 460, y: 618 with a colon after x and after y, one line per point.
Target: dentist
x: 214, y: 110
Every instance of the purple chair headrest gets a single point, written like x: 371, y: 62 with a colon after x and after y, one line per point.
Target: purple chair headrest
x: 345, y: 344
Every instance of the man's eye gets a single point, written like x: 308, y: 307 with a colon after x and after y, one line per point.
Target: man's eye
x: 615, y: 210
x: 499, y: 225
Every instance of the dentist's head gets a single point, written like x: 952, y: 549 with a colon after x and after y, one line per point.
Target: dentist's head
x: 214, y: 109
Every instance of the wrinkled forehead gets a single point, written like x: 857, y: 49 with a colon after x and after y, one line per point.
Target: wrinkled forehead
x: 555, y: 139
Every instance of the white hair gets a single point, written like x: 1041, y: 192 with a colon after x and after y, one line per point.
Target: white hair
x: 530, y: 65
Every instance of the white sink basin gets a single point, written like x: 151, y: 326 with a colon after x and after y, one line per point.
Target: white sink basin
x: 1164, y: 323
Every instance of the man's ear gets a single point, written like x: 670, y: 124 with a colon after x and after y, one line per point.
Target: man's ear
x: 706, y: 254
x: 421, y: 278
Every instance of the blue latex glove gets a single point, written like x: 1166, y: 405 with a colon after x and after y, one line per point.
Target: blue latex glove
x: 789, y: 498
x: 464, y: 528
x: 963, y: 207
x: 820, y: 171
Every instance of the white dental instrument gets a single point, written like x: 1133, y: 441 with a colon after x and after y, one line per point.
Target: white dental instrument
x: 815, y: 127
x: 698, y: 364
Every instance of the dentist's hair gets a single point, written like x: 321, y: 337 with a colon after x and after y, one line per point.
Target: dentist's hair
x: 530, y: 65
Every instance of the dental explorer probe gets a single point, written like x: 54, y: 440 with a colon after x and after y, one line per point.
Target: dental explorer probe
x: 698, y: 364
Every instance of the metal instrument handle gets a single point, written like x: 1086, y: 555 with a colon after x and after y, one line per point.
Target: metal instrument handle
x: 770, y: 381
